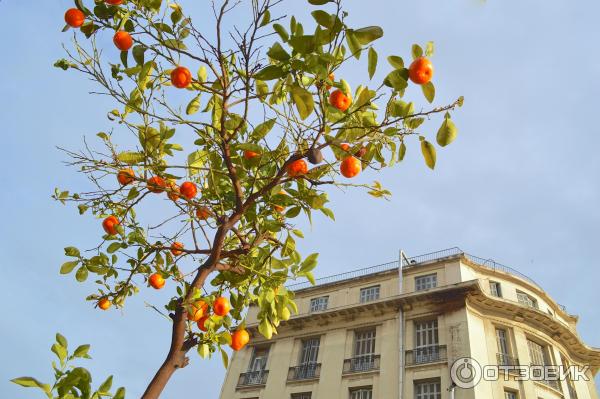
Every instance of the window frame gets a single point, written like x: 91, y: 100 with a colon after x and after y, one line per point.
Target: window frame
x: 319, y: 304
x: 436, y: 393
x: 301, y: 395
x: 370, y: 294
x: 425, y: 282
x: 527, y: 300
x: 497, y: 290
x: 361, y: 392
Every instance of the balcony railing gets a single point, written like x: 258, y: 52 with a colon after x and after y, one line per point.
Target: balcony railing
x: 361, y: 363
x: 253, y: 378
x: 304, y: 372
x: 506, y: 360
x: 428, y: 354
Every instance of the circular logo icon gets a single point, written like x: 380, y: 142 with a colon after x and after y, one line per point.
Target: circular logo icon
x: 466, y: 372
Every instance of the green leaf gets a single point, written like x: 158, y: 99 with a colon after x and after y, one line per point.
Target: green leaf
x: 202, y: 74
x: 113, y: 247
x: 61, y: 340
x: 31, y: 382
x: 396, y: 80
x: 203, y: 350
x: 82, y: 274
x: 138, y: 54
x: 278, y: 53
x: 447, y: 132
x: 319, y: 2
x: 368, y: 34
x: 323, y: 18
x: 120, y: 394
x: 428, y: 91
x: 266, y: 18
x: 262, y: 89
x: 304, y: 101
x: 130, y: 157
x: 372, y: 62
x: 401, y: 151
x: 269, y: 73
x: 106, y: 385
x: 196, y: 161
x: 429, y: 155
x: 303, y: 44
x: 416, y: 51
x: 429, y: 49
x: 263, y: 129
x: 193, y: 106
x: 68, y: 267
x: 281, y: 32
x: 60, y: 352
x: 266, y: 329
x: 396, y: 62
x: 309, y: 263
x: 72, y: 251
x: 82, y: 351
x: 224, y: 358
x: 353, y: 43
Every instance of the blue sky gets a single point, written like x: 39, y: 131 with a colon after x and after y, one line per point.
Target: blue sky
x: 519, y: 185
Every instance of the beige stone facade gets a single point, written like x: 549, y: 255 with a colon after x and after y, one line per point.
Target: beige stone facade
x: 359, y: 336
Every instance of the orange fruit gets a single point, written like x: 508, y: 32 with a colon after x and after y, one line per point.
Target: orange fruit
x: 74, y: 17
x: 181, y: 77
x: 110, y: 225
x: 203, y: 213
x: 279, y: 208
x: 250, y: 154
x: 156, y: 281
x: 350, y: 167
x: 339, y: 100
x: 239, y: 339
x: 420, y: 71
x: 173, y: 191
x: 188, y: 189
x: 202, y: 323
x: 114, y: 2
x: 123, y: 40
x: 332, y: 78
x: 125, y: 176
x: 221, y: 306
x: 297, y: 168
x: 156, y: 184
x: 197, y: 311
x: 345, y: 146
x: 104, y: 304
x: 176, y: 248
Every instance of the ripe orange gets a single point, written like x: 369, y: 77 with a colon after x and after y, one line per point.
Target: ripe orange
x: 202, y: 323
x: 339, y: 100
x: 110, y: 225
x: 420, y: 71
x: 297, y: 168
x: 125, y: 176
x: 156, y: 281
x: 332, y: 78
x: 203, y: 213
x: 221, y: 306
x: 176, y: 248
x: 173, y: 190
x: 74, y: 17
x: 350, y: 167
x: 181, y: 77
x: 104, y: 304
x: 197, y: 311
x: 345, y: 146
x: 114, y: 2
x: 188, y: 189
x: 250, y: 154
x: 156, y: 184
x: 239, y: 339
x: 279, y: 208
x: 123, y: 40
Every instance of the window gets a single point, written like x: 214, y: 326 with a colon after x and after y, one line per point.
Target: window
x: 426, y: 341
x: 308, y: 367
x: 510, y: 395
x: 302, y: 395
x: 259, y: 359
x: 364, y: 350
x: 495, y: 289
x: 317, y: 304
x: 369, y: 294
x: 428, y: 390
x: 527, y: 300
x: 537, y: 353
x: 425, y: 282
x: 361, y: 393
x: 504, y: 358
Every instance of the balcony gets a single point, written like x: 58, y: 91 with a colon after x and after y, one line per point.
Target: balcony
x: 361, y: 364
x: 253, y: 378
x: 428, y: 354
x: 310, y: 371
x: 506, y: 360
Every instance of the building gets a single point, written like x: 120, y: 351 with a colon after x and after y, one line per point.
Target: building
x: 358, y: 336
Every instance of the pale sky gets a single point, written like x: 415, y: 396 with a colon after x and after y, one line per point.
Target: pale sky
x: 520, y: 184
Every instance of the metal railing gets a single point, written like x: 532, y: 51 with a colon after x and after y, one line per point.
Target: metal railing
x: 252, y: 378
x: 506, y: 360
x: 428, y: 354
x: 304, y: 372
x: 361, y: 363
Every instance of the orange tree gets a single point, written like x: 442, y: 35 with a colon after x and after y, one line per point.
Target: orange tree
x: 239, y: 127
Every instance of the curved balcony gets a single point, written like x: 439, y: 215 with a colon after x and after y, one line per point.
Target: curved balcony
x: 253, y: 379
x: 310, y: 371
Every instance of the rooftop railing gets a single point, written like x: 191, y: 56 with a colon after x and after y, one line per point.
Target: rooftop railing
x: 413, y: 262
